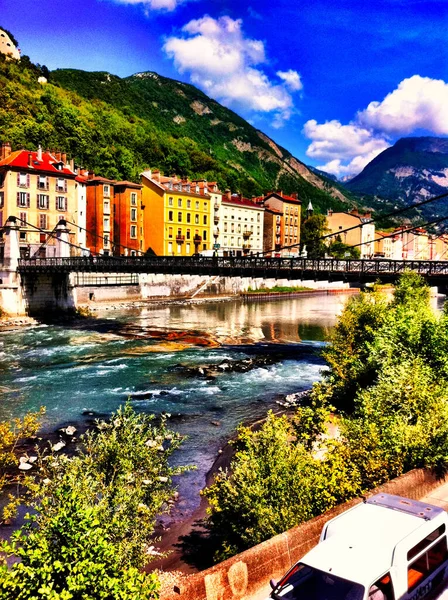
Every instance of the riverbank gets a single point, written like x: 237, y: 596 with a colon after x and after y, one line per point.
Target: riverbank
x: 177, y: 538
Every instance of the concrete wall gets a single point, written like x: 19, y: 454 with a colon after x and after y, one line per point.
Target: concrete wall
x: 246, y: 576
x: 34, y: 294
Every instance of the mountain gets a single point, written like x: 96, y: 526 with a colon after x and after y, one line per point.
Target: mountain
x: 411, y: 170
x: 117, y: 127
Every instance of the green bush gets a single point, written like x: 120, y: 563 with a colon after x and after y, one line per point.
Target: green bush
x: 94, y: 514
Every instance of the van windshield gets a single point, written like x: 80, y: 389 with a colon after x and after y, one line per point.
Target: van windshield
x: 306, y: 583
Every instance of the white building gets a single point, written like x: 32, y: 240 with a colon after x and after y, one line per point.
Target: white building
x: 7, y: 46
x: 241, y: 226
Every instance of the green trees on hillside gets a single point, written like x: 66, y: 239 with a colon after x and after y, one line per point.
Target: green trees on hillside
x: 381, y: 409
x: 94, y: 515
x: 119, y: 127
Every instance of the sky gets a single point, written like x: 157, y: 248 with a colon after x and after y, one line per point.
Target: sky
x: 334, y: 82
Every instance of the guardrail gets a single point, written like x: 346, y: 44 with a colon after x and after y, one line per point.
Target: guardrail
x: 248, y: 264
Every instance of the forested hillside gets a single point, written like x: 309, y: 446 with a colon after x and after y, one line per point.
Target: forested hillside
x: 117, y: 127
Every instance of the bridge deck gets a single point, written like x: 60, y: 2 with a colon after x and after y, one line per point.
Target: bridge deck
x: 283, y: 268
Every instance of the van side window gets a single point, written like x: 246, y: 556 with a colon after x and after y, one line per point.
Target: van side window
x: 425, y: 564
x: 382, y: 589
x: 426, y: 542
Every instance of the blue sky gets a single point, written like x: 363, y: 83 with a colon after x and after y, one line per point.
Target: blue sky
x: 335, y: 82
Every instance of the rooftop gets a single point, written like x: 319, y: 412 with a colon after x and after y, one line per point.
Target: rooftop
x: 29, y: 161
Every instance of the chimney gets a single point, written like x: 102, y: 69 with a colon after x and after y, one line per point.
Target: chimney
x: 329, y: 212
x: 155, y: 175
x: 91, y: 175
x: 39, y: 153
x: 58, y: 156
x: 72, y: 165
x: 6, y: 150
x: 64, y: 158
x: 228, y: 194
x: 30, y: 159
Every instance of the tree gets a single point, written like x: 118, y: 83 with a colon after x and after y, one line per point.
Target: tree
x: 312, y: 230
x: 338, y: 249
x: 94, y: 515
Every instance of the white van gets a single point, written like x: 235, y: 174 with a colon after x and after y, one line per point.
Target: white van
x: 387, y: 548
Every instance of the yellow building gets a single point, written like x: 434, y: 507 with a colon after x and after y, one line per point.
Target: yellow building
x: 361, y: 232
x: 176, y: 215
x: 39, y: 189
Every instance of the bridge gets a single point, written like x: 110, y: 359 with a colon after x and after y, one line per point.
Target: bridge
x: 352, y: 271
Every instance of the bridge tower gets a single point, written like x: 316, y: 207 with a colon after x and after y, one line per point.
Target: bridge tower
x: 62, y: 240
x: 11, y: 298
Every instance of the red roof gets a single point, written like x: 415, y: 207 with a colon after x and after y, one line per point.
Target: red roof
x: 48, y: 164
x: 240, y: 201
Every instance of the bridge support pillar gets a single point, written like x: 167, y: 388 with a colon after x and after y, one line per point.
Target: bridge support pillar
x: 11, y: 297
x: 62, y: 240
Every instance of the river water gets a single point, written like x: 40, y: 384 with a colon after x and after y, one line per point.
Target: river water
x: 94, y: 367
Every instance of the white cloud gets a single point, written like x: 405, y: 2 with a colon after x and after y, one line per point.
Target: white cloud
x: 337, y: 144
x: 225, y: 63
x: 417, y: 103
x: 292, y: 79
x: 149, y: 5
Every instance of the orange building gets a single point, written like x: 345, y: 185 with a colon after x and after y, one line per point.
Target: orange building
x: 39, y: 189
x: 128, y: 219
x: 99, y: 221
x: 283, y: 226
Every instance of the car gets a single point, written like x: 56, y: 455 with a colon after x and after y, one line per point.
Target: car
x: 386, y: 548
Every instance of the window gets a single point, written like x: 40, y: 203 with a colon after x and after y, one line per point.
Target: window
x: 196, y: 219
x: 179, y: 202
x: 188, y: 201
x: 133, y: 198
x: 1, y: 221
x: 61, y: 203
x: 61, y: 218
x: 205, y: 219
x: 133, y: 214
x: 2, y: 199
x: 106, y: 207
x: 106, y: 240
x: 42, y: 182
x: 179, y: 217
x: 188, y: 234
x: 197, y: 205
x: 61, y: 185
x: 170, y: 247
x: 22, y: 217
x: 427, y: 563
x: 23, y: 180
x: 42, y: 221
x: 188, y: 217
x: 205, y: 205
x: 43, y: 201
x: 106, y: 190
x: 179, y: 248
x: 187, y: 249
x: 170, y: 202
x: 106, y: 224
x: 170, y: 215
x: 170, y: 232
x: 204, y: 236
x: 225, y: 226
x: 179, y: 233
x: 258, y: 217
x: 426, y: 542
x: 133, y: 231
x: 23, y: 236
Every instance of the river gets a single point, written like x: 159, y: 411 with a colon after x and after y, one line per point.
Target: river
x: 94, y: 367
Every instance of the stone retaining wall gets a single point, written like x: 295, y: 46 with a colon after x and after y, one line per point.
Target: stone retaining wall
x: 246, y: 576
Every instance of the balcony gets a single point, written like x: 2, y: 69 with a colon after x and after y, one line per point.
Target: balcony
x: 247, y: 233
x: 180, y: 239
x: 278, y: 247
x: 247, y: 246
x: 216, y: 205
x: 216, y: 232
x: 197, y: 239
x: 216, y: 219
